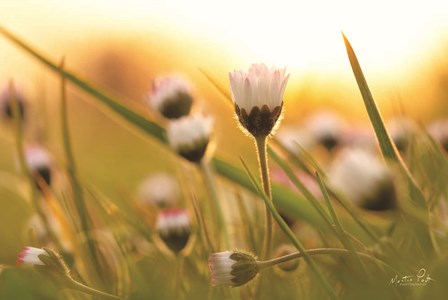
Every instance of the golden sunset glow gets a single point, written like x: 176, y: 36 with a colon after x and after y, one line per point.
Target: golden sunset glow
x: 393, y: 39
x: 299, y: 34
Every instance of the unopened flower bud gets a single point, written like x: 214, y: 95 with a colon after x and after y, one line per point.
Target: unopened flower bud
x: 232, y: 268
x: 44, y: 258
x: 30, y: 256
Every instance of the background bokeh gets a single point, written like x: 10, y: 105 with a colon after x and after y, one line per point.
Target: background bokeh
x: 122, y: 46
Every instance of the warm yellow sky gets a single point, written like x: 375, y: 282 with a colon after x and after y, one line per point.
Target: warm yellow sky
x: 303, y: 34
x: 390, y: 37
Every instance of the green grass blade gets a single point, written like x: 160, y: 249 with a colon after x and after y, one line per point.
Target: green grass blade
x: 388, y: 148
x: 289, y: 172
x: 110, y: 101
x: 284, y: 199
x: 340, y: 230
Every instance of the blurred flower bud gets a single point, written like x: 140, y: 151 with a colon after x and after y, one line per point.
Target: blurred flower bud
x: 173, y: 226
x: 327, y: 128
x: 189, y: 136
x: 171, y: 96
x: 39, y: 162
x: 439, y: 131
x: 401, y: 131
x: 287, y: 266
x: 161, y: 190
x: 6, y: 105
x: 292, y: 137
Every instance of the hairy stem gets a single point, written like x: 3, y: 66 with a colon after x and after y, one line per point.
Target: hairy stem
x: 264, y: 173
x: 322, y: 251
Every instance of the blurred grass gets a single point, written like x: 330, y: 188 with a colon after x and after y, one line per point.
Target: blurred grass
x: 114, y: 161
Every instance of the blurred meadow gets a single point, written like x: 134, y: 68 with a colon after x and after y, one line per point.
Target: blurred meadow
x: 121, y: 48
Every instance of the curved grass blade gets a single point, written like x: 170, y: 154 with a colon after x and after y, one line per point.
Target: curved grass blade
x: 124, y: 110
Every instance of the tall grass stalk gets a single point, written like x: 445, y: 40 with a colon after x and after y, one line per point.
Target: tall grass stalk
x: 77, y: 189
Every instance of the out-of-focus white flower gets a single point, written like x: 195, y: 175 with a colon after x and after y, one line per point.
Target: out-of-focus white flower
x: 293, y: 137
x: 439, y: 131
x: 173, y: 226
x: 159, y: 189
x: 39, y: 162
x: 364, y: 179
x: 232, y: 268
x: 171, y: 96
x: 258, y: 97
x: 30, y: 256
x: 327, y: 128
x: 401, y: 131
x: 190, y: 136
x: 360, y: 136
x: 6, y: 105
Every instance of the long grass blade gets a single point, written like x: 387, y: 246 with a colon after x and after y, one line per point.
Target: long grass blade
x: 387, y: 146
x: 285, y: 200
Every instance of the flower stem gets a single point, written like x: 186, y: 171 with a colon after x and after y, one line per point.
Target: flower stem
x: 200, y: 218
x: 215, y: 205
x: 77, y: 189
x: 321, y: 251
x: 284, y: 227
x: 178, y: 275
x: 91, y: 291
x: 264, y: 173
